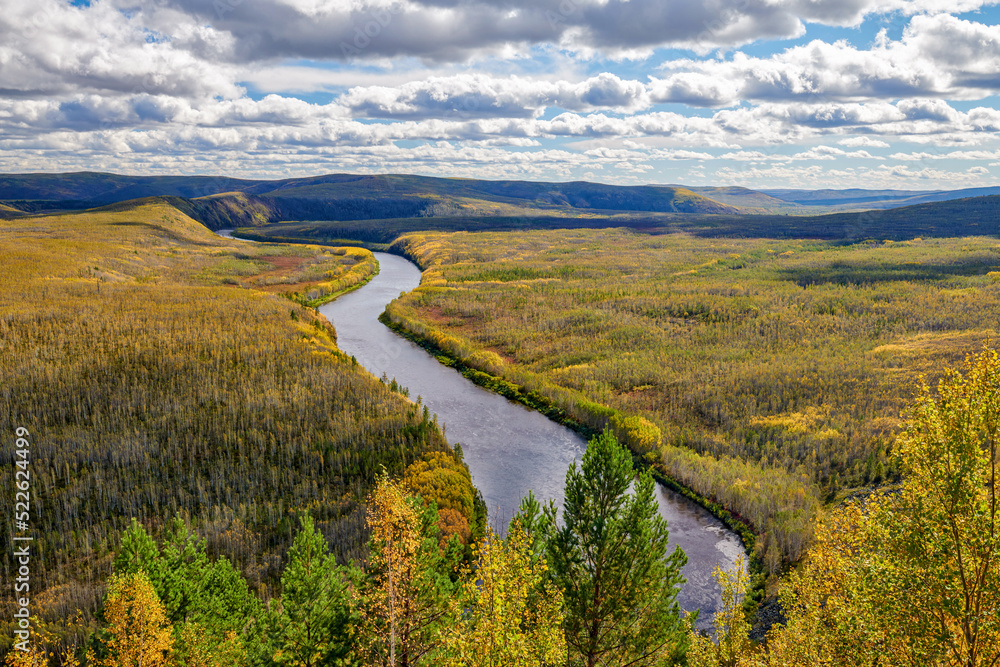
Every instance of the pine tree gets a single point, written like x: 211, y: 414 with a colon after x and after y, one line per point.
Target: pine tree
x: 610, y: 557
x: 315, y: 620
x: 202, y: 599
x: 139, y: 552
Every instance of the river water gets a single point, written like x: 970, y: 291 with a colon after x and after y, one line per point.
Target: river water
x: 509, y: 448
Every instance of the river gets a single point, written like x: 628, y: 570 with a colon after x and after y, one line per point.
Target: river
x: 509, y: 448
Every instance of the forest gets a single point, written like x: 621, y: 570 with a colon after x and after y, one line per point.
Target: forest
x: 215, y: 483
x: 909, y: 577
x: 766, y: 375
x: 161, y: 373
x: 596, y: 586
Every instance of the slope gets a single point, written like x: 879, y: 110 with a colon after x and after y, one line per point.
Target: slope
x: 973, y: 216
x: 747, y: 200
x: 156, y: 377
x: 871, y: 199
x: 350, y: 196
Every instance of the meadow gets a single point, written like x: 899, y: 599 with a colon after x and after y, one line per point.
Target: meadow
x: 160, y: 373
x: 766, y: 375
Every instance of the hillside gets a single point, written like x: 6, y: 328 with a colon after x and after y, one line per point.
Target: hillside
x: 956, y: 217
x: 88, y: 186
x: 9, y: 211
x: 574, y: 195
x: 160, y: 373
x: 396, y: 204
x: 857, y: 199
x: 962, y: 217
x: 747, y: 200
x: 348, y: 196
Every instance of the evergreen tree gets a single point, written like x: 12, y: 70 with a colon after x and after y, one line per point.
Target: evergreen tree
x: 610, y: 557
x: 202, y: 599
x: 139, y: 552
x: 315, y: 621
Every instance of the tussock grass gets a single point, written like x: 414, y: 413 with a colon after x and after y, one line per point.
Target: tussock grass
x: 773, y: 371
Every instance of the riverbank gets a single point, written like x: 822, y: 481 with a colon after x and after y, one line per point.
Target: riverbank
x: 511, y: 447
x: 542, y: 404
x: 636, y: 433
x: 320, y: 292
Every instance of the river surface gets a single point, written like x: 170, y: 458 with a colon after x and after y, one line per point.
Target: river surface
x: 509, y: 448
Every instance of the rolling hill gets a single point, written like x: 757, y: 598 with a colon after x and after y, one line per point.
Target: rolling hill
x: 973, y: 216
x: 747, y: 200
x: 347, y: 196
x: 393, y: 204
x: 857, y: 199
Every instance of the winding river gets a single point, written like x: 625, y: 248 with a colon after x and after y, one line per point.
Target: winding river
x: 509, y: 448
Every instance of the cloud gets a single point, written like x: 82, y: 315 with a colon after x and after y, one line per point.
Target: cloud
x: 305, y: 79
x: 880, y: 177
x: 482, y: 96
x: 495, y: 88
x: 286, y: 121
x: 937, y: 56
x: 454, y: 31
x: 51, y: 47
x: 863, y: 141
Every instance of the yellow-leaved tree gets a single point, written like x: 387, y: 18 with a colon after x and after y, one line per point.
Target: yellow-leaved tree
x: 510, y: 613
x: 910, y: 577
x: 913, y: 577
x: 47, y: 647
x: 137, y: 631
x: 406, y: 599
x: 732, y: 630
x: 441, y: 478
x: 830, y: 600
x: 938, y: 589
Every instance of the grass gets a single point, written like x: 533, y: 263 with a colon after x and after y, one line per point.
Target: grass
x: 771, y: 373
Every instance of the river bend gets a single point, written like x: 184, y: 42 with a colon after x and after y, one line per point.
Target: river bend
x: 509, y: 448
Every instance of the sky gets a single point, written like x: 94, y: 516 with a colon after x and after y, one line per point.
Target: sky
x: 759, y: 93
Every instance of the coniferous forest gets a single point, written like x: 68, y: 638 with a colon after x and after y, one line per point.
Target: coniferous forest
x: 154, y: 387
x: 214, y: 483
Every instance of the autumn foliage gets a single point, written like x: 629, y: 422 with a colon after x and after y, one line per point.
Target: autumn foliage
x: 911, y: 577
x: 162, y: 373
x: 765, y: 374
x: 508, y: 613
x: 137, y: 631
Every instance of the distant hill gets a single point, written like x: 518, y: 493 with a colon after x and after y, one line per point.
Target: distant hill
x: 871, y: 199
x: 747, y: 200
x: 971, y: 216
x: 96, y: 187
x: 9, y: 211
x: 223, y: 201
x: 974, y: 216
x: 819, y: 202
